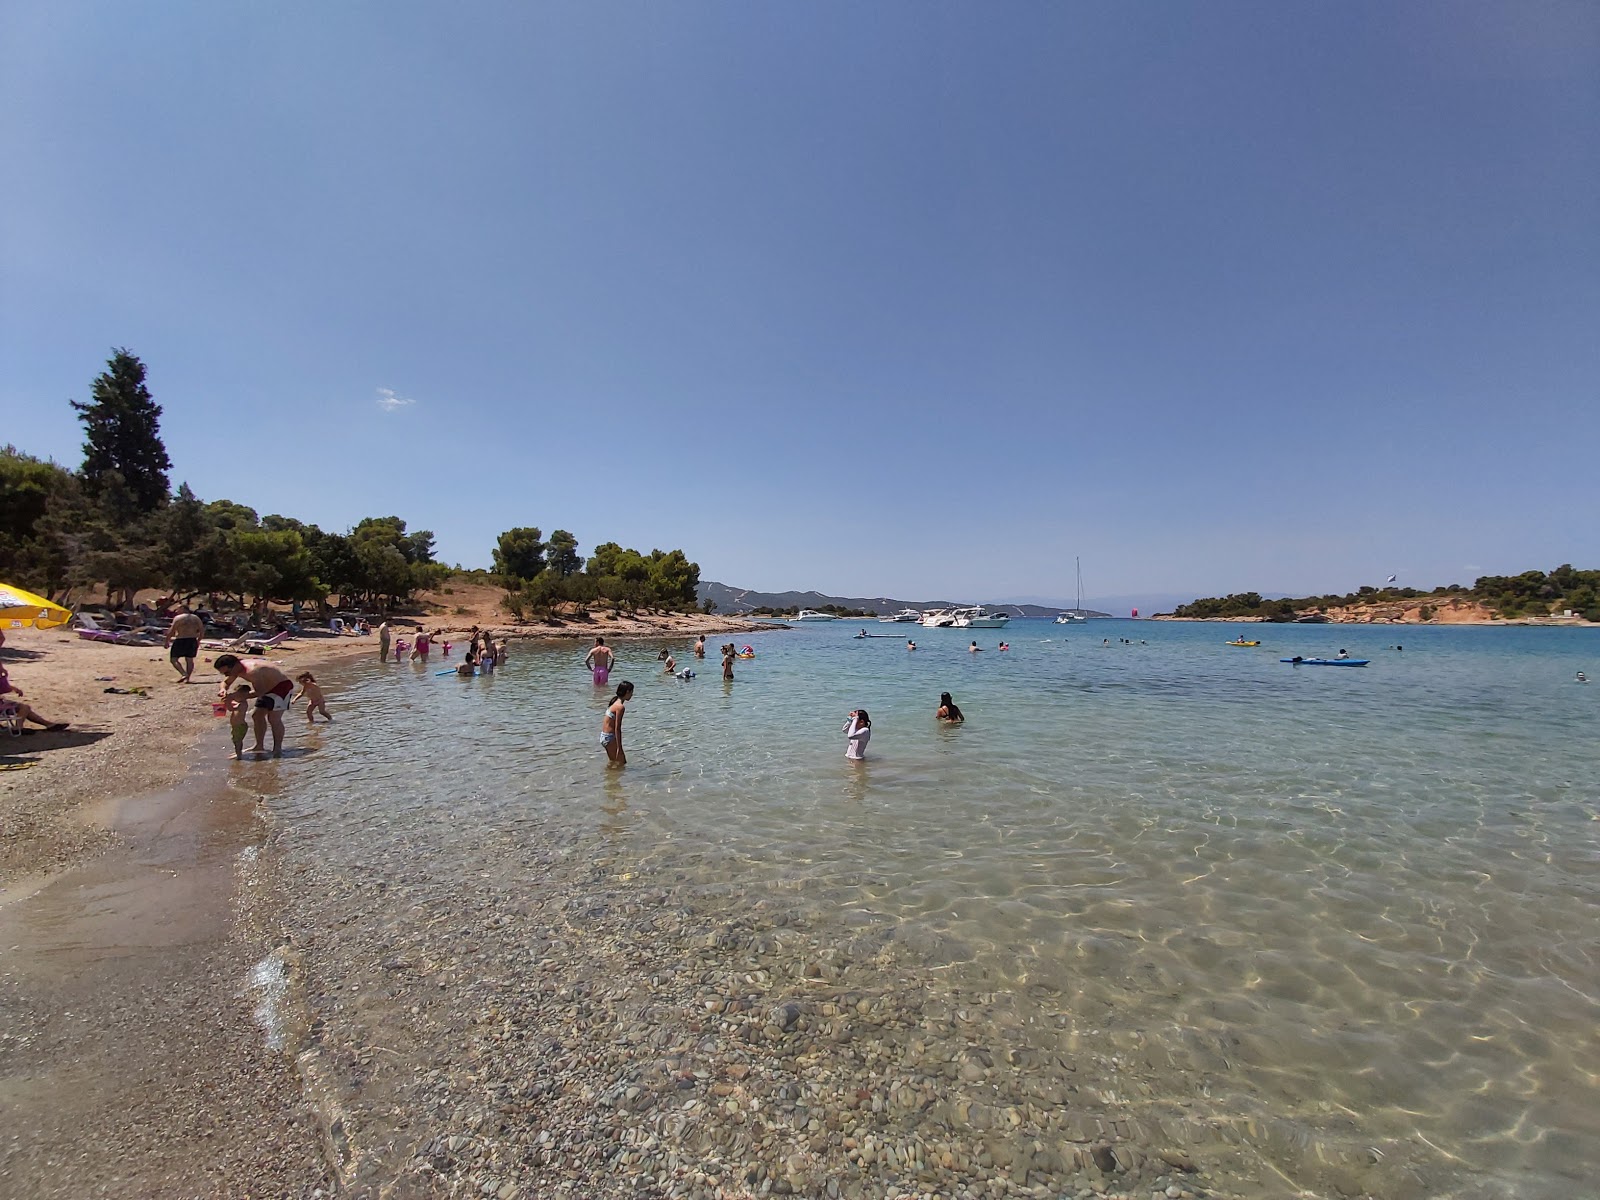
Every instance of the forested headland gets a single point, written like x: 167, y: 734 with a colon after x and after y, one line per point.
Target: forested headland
x: 1508, y: 597
x: 114, y: 525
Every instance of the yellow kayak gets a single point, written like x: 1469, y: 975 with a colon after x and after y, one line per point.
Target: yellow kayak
x: 1241, y: 643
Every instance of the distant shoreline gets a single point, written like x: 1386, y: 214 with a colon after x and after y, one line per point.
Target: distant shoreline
x: 1550, y: 622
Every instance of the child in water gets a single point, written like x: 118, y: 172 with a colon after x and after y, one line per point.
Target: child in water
x: 238, y: 705
x: 312, y: 695
x: 857, y: 732
x: 611, y: 727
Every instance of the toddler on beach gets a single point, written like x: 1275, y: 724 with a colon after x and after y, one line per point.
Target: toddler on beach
x: 312, y: 695
x: 238, y: 706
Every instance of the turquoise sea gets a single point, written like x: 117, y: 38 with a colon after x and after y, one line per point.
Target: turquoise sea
x: 1346, y: 915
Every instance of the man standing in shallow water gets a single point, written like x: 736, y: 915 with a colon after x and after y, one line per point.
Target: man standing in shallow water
x: 270, y: 688
x: 600, y: 661
x: 183, y: 636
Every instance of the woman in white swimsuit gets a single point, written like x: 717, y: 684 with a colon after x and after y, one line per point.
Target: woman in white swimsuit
x: 857, y: 732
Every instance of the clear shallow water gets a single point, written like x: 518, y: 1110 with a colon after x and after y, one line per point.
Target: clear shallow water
x: 1360, y: 904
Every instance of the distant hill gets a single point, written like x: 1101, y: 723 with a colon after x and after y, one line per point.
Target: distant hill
x: 733, y: 600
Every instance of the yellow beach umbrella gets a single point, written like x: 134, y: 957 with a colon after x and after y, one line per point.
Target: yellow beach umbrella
x: 19, y: 608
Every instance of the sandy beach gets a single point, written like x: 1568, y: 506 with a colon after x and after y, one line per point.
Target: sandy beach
x: 134, y: 902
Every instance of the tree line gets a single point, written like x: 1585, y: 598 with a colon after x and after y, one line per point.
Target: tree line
x: 1530, y: 594
x: 540, y: 575
x: 115, y: 523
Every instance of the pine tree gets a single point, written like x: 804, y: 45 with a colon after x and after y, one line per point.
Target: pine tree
x: 122, y: 422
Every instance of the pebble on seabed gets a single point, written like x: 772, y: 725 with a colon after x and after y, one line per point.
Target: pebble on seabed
x: 585, y: 1036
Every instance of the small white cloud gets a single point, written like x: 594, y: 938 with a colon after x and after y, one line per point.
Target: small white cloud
x: 390, y: 402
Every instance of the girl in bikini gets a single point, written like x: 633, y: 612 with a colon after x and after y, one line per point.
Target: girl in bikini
x: 611, y: 727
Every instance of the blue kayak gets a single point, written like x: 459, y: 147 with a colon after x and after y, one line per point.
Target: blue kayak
x: 1327, y: 662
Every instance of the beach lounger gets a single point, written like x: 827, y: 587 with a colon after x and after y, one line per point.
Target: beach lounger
x: 91, y: 630
x: 246, y: 639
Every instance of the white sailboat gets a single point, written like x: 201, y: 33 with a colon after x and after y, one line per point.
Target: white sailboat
x: 1075, y: 617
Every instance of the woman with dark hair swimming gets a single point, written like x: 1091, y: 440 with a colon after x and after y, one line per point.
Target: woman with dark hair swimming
x: 948, y: 710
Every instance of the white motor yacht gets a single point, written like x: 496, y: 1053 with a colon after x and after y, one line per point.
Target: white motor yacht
x: 979, y: 617
x: 938, y: 618
x: 904, y: 616
x: 811, y: 614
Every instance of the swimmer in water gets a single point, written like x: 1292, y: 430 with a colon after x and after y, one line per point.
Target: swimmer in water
x: 1582, y: 678
x: 671, y: 666
x: 700, y: 647
x: 857, y: 732
x: 600, y: 661
x: 949, y: 710
x: 975, y: 648
x: 611, y: 726
x: 910, y: 645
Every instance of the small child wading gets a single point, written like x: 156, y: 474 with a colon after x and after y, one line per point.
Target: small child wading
x: 312, y: 695
x: 238, y: 706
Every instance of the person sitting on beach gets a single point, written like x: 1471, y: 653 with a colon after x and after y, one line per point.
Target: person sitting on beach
x: 237, y: 706
x: 271, y: 689
x: 671, y: 666
x: 857, y: 733
x: 12, y: 705
x: 611, y: 726
x: 700, y: 647
x: 949, y: 710
x: 183, y: 638
x: 312, y: 695
x: 599, y: 660
x: 975, y: 648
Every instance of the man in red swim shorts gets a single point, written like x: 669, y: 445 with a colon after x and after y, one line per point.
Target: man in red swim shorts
x: 270, y: 688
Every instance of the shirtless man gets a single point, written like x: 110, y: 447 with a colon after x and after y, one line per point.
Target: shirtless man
x: 183, y: 636
x: 270, y: 688
x: 600, y: 660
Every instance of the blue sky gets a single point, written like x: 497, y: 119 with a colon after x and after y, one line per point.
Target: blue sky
x: 908, y: 298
